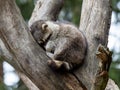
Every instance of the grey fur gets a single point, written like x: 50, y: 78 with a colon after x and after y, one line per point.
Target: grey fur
x: 63, y: 42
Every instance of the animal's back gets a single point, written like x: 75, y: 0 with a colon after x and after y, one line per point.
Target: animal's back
x: 70, y: 46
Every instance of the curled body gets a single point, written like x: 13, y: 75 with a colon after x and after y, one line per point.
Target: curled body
x: 64, y: 43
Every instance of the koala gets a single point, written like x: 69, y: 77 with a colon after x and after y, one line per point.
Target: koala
x: 63, y: 42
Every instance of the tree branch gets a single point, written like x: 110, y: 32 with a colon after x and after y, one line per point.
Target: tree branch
x: 27, y: 56
x: 27, y: 81
x: 95, y: 23
x: 111, y: 85
x: 7, y: 56
x: 46, y: 10
x: 18, y: 47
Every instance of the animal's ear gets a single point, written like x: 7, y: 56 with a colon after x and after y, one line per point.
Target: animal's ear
x: 44, y: 26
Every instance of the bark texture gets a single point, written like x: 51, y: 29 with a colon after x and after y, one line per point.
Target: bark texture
x: 46, y: 10
x: 18, y: 47
x: 25, y: 54
x: 95, y: 23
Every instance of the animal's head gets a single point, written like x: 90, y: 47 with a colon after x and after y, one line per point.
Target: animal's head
x: 40, y: 31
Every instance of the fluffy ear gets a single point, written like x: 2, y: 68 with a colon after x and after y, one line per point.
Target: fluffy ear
x: 44, y: 26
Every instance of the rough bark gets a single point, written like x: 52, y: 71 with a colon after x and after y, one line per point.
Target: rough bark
x: 111, y: 85
x: 95, y: 23
x: 27, y: 81
x: 18, y: 47
x: 26, y: 55
x: 46, y: 10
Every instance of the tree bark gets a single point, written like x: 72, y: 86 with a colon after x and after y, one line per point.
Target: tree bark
x: 46, y: 10
x: 95, y: 23
x: 26, y: 55
x: 18, y: 47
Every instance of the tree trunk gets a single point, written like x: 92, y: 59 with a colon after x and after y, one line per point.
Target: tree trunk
x: 95, y: 23
x: 18, y: 47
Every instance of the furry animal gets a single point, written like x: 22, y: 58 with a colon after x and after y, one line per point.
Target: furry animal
x: 63, y: 43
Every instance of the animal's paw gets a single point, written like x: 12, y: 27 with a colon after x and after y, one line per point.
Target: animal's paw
x: 54, y: 64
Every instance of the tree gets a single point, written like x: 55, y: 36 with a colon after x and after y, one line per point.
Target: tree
x: 18, y: 47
